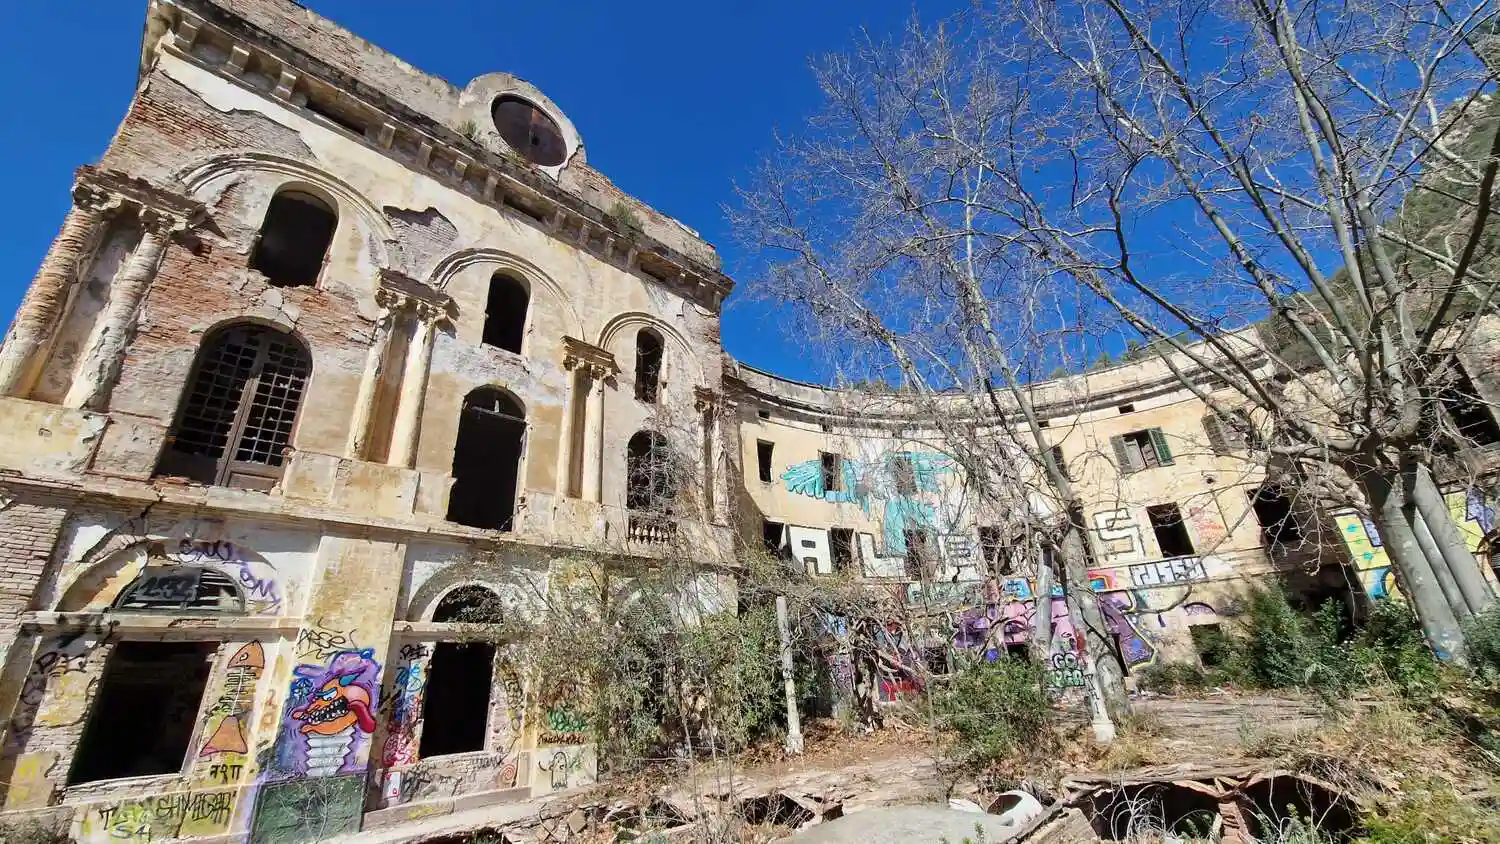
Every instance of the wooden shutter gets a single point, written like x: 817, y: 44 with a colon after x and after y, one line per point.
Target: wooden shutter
x: 1122, y: 457
x: 1159, y: 441
x: 1213, y: 426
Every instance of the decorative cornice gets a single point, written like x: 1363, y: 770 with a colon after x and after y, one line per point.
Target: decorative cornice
x: 159, y: 209
x: 597, y: 362
x: 398, y: 291
x: 441, y: 153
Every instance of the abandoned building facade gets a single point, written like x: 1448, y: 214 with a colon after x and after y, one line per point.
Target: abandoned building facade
x: 328, y: 349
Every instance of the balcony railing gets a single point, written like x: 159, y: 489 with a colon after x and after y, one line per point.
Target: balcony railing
x: 650, y: 528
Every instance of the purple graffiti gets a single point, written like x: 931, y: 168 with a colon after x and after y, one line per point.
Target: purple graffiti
x: 328, y: 717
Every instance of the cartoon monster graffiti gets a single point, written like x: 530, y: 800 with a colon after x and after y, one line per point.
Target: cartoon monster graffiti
x: 329, y: 716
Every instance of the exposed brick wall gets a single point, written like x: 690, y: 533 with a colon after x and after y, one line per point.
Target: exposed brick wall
x: 169, y: 127
x: 29, y: 528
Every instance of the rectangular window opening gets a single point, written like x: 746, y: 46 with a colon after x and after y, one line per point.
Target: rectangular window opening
x: 904, y: 474
x: 456, y: 706
x: 764, y: 414
x: 842, y: 542
x: 1126, y: 408
x: 1273, y: 510
x: 773, y: 538
x: 143, y: 714
x: 1171, y: 531
x: 1061, y: 461
x: 993, y: 551
x: 1473, y: 418
x: 763, y: 452
x: 919, y: 557
x: 833, y: 471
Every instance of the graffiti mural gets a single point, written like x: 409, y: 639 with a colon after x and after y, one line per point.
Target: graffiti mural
x: 407, y: 691
x: 1473, y: 511
x: 328, y: 717
x: 927, y: 497
x: 228, y: 716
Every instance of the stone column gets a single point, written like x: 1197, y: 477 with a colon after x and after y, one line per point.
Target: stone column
x: 707, y: 406
x: 390, y: 304
x: 414, y: 386
x: 101, y: 364
x: 43, y: 306
x: 566, y: 460
x: 593, y: 438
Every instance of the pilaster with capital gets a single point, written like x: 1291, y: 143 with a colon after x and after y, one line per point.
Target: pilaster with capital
x: 595, y: 367
x: 710, y: 405
x: 428, y: 318
x: 101, y: 363
x: 391, y: 303
x: 42, y: 308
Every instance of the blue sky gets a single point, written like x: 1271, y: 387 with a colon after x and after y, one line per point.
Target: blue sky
x: 674, y: 99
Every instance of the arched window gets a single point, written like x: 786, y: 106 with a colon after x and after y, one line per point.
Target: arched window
x: 236, y: 421
x: 487, y: 459
x: 471, y: 604
x: 294, y: 239
x: 648, y: 352
x: 505, y: 313
x: 650, y: 484
x: 170, y: 587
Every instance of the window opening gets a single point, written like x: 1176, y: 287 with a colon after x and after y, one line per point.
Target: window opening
x: 773, y: 537
x: 648, y: 358
x: 1171, y: 531
x: 487, y: 460
x: 649, y: 482
x: 456, y: 701
x: 1126, y: 408
x: 236, y: 423
x: 833, y: 471
x: 841, y: 541
x: 1212, y: 645
x: 334, y: 114
x: 144, y: 712
x: 992, y: 550
x: 1273, y: 510
x: 1228, y: 433
x: 763, y: 452
x: 505, y: 313
x: 529, y: 131
x: 294, y: 239
x: 1139, y: 450
x: 169, y: 587
x: 904, y: 473
x: 1469, y: 412
x: 919, y: 557
x: 1062, y: 462
x: 764, y: 414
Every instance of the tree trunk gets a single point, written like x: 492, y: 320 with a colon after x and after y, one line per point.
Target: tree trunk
x: 1439, y: 624
x: 1440, y: 571
x: 1041, y: 617
x: 1096, y: 642
x: 1450, y: 541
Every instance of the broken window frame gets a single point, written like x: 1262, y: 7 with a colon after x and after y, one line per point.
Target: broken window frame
x: 504, y: 406
x: 1136, y: 451
x: 258, y: 425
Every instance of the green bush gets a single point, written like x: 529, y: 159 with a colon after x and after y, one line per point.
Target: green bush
x: 993, y: 711
x: 1390, y: 646
x: 1281, y: 649
x: 1173, y: 677
x: 1482, y: 637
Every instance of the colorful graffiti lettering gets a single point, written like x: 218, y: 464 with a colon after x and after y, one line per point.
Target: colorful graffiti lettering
x: 564, y: 726
x: 1473, y: 511
x: 401, y: 744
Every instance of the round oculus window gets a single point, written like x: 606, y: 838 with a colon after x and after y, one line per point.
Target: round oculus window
x: 529, y: 131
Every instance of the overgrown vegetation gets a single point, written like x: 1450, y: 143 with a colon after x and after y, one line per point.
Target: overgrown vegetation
x: 989, y: 712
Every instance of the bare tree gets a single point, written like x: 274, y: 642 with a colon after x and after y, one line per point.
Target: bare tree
x: 1288, y: 198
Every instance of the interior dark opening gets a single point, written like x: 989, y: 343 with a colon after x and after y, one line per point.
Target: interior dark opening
x: 294, y: 239
x: 833, y: 471
x: 1273, y: 509
x: 529, y: 131
x: 455, y: 715
x: 649, y: 484
x: 505, y: 313
x: 763, y: 452
x: 773, y: 537
x: 1171, y: 532
x: 486, y: 460
x: 144, y: 712
x: 841, y: 542
x: 648, y: 354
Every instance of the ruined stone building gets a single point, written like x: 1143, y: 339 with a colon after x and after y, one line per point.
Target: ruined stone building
x: 328, y: 349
